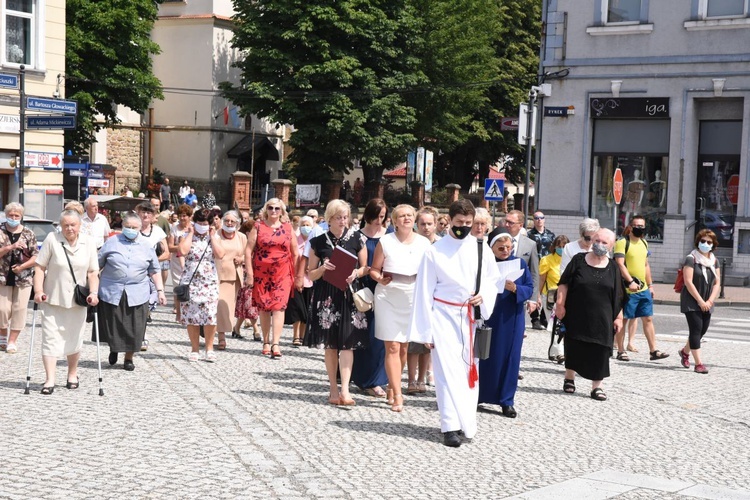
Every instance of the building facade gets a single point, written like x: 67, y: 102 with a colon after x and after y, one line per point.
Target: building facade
x: 32, y: 34
x: 661, y: 91
x: 196, y: 133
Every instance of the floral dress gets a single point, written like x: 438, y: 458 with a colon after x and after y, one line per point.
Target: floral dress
x: 273, y: 270
x: 204, y: 289
x: 332, y: 318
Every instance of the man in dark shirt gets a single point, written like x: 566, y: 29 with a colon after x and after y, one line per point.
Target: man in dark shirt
x: 543, y: 238
x: 165, y: 191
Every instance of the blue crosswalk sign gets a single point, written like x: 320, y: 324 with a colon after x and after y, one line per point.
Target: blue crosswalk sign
x: 493, y: 189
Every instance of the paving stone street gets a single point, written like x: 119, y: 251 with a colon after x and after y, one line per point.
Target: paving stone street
x: 248, y: 427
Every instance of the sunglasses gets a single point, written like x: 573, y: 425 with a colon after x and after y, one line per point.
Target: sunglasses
x: 710, y: 242
x: 273, y: 209
x: 539, y: 218
x: 587, y: 238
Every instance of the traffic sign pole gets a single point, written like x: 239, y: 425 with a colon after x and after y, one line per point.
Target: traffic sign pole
x: 22, y: 130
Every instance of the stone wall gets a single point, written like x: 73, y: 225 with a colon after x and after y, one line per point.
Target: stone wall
x: 124, y: 151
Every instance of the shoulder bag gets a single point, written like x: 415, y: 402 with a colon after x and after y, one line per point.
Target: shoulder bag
x: 182, y: 292
x: 483, y: 334
x: 80, y: 292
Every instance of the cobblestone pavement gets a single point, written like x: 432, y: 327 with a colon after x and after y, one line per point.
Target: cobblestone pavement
x: 248, y: 427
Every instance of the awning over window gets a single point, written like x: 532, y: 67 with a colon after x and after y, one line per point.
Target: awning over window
x: 263, y: 147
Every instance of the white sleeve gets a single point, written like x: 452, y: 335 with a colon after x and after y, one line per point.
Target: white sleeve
x: 420, y: 328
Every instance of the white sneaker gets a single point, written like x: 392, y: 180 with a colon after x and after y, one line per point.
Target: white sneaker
x: 210, y: 356
x: 193, y: 357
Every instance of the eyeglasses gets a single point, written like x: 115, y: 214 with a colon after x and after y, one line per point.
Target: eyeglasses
x: 538, y: 218
x: 511, y: 223
x: 502, y: 249
x: 273, y: 209
x: 710, y: 242
x: 587, y: 238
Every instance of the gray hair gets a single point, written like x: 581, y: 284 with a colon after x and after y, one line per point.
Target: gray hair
x: 482, y: 215
x: 131, y: 216
x: 232, y: 213
x: 70, y: 213
x: 14, y: 207
x: 88, y: 201
x: 306, y: 218
x: 588, y: 225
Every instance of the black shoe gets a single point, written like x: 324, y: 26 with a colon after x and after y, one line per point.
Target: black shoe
x: 536, y: 325
x: 451, y: 439
x: 73, y: 385
x: 48, y: 390
x: 128, y: 365
x: 509, y: 411
x: 112, y: 358
x: 148, y: 318
x: 520, y: 377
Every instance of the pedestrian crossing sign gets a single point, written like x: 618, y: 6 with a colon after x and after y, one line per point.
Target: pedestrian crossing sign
x: 493, y: 189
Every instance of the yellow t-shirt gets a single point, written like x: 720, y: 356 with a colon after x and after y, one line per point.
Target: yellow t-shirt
x: 635, y: 260
x: 550, y: 264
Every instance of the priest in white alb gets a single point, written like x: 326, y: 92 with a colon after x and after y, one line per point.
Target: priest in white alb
x: 443, y: 319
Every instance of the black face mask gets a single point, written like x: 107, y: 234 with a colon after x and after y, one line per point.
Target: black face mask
x: 638, y: 231
x: 461, y: 232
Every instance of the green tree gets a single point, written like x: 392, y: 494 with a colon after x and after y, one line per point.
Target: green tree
x: 517, y: 52
x: 108, y: 62
x: 334, y: 69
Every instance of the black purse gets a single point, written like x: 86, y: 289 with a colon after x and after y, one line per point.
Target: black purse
x: 483, y: 334
x: 182, y: 292
x: 80, y: 292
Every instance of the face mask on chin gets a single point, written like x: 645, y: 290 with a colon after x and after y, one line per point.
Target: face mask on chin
x: 461, y: 232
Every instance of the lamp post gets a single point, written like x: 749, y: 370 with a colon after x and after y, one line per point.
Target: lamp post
x: 21, y: 131
x: 529, y: 143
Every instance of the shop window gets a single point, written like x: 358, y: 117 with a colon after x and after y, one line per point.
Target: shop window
x: 644, y: 192
x: 22, y: 33
x: 622, y: 11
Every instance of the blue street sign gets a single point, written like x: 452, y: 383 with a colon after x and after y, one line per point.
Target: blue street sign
x: 95, y: 175
x: 77, y: 173
x: 493, y: 189
x: 8, y: 81
x: 51, y: 105
x: 49, y: 122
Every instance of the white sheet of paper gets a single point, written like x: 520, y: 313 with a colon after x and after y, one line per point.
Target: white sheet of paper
x: 509, y: 270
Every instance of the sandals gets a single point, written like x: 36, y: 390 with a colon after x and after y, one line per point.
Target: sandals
x: 421, y: 387
x: 222, y: 345
x: 560, y: 358
x: 375, y: 392
x: 631, y: 348
x: 237, y: 335
x: 297, y: 342
x: 256, y: 336
x: 655, y: 355
x: 598, y: 394
x: 48, y: 390
x: 398, y: 407
x: 73, y: 385
x: 194, y: 357
x: 264, y: 351
x: 389, y: 396
x: 569, y: 386
x: 412, y: 388
x: 277, y: 354
x: 623, y: 356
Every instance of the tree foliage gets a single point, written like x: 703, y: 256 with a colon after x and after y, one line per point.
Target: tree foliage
x: 370, y: 79
x: 108, y: 62
x: 331, y: 68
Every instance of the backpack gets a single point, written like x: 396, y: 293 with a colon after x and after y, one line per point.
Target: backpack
x: 627, y: 245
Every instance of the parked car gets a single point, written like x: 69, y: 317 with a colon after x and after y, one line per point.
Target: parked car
x: 41, y: 227
x: 722, y: 224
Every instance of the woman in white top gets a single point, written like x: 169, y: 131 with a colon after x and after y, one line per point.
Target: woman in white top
x: 176, y: 259
x: 394, y: 268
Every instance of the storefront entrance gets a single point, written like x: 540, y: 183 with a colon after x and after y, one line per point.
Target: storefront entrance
x: 717, y: 183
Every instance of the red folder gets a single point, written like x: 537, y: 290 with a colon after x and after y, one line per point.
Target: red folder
x: 345, y: 263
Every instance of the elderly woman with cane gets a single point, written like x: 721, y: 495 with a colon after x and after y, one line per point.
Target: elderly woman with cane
x: 127, y: 261
x: 70, y: 259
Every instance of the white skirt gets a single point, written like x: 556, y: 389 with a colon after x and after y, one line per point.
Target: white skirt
x: 392, y: 307
x: 62, y: 329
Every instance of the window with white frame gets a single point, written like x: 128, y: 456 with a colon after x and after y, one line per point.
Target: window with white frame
x: 712, y: 9
x: 622, y: 11
x: 21, y: 32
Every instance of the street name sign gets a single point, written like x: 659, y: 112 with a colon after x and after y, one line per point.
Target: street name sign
x: 50, y: 122
x: 8, y: 81
x: 51, y: 105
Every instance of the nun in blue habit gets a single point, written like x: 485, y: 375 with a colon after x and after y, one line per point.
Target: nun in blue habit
x: 498, y: 374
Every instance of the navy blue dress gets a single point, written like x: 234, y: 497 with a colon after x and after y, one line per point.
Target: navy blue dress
x: 369, y: 367
x: 498, y: 374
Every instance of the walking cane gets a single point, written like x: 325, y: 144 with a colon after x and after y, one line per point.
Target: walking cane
x: 31, y: 347
x: 98, y: 354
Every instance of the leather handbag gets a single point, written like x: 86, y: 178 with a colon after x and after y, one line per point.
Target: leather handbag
x: 483, y: 334
x: 363, y: 299
x: 182, y: 292
x: 80, y: 292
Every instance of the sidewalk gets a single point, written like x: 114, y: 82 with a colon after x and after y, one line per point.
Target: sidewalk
x: 733, y: 295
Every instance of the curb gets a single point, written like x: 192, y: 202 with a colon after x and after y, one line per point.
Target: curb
x: 722, y: 303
